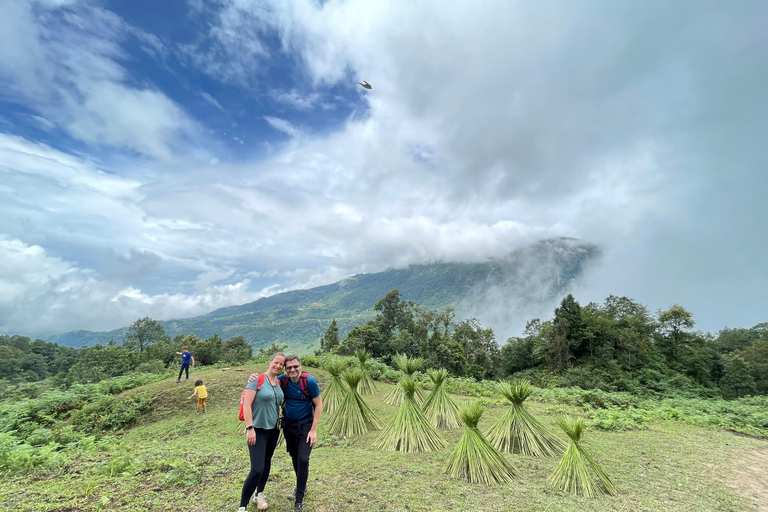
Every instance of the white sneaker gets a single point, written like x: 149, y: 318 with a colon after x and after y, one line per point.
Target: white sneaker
x: 261, y: 501
x: 242, y: 509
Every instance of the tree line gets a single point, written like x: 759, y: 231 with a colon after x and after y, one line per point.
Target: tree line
x: 618, y: 345
x: 145, y: 347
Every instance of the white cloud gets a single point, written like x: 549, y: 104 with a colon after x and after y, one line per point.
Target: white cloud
x: 487, y: 128
x: 210, y: 99
x: 282, y: 125
x: 65, y: 66
x: 43, y: 293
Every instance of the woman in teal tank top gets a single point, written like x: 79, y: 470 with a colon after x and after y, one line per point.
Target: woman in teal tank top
x: 262, y: 407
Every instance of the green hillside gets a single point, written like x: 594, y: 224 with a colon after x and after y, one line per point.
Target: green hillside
x: 300, y: 317
x: 145, y: 449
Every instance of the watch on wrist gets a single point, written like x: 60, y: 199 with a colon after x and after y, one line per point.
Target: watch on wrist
x: 249, y: 427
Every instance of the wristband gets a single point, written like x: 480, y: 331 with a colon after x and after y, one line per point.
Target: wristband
x: 249, y: 427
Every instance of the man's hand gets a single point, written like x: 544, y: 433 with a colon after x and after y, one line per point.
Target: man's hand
x: 312, y: 438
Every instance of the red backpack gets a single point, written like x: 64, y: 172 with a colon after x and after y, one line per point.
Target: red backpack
x: 302, y: 382
x: 259, y: 382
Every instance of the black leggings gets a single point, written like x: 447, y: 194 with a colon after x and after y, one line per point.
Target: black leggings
x: 299, y: 449
x: 261, y: 462
x: 184, y: 367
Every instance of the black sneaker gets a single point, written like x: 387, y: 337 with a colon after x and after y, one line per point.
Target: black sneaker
x: 298, y: 507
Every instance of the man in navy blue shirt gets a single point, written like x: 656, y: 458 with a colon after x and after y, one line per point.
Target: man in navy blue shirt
x: 303, y: 407
x: 186, y: 357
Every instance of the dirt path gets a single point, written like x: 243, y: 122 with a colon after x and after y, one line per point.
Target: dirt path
x: 751, y: 477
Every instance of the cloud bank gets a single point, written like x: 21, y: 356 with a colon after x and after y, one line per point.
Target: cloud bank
x: 635, y: 127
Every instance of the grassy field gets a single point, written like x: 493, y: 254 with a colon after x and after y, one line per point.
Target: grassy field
x: 178, y: 461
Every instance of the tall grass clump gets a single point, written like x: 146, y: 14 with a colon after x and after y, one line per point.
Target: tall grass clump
x: 353, y: 415
x: 439, y: 407
x: 366, y: 386
x: 334, y: 394
x: 519, y: 432
x: 572, y: 474
x: 474, y: 458
x: 409, y: 431
x: 408, y: 366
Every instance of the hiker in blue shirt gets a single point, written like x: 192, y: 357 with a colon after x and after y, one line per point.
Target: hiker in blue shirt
x: 303, y: 407
x: 186, y: 357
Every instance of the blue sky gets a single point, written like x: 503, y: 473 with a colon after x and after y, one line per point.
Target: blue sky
x: 168, y: 158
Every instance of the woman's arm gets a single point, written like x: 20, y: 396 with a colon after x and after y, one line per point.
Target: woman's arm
x: 250, y: 433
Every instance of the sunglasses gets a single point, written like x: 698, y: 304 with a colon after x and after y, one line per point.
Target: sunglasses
x: 293, y: 367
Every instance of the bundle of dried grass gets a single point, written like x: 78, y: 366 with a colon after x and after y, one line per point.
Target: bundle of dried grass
x: 519, y: 432
x: 572, y: 474
x: 408, y: 366
x: 409, y: 430
x: 474, y: 458
x: 439, y: 408
x: 353, y: 415
x: 367, y: 386
x: 334, y: 394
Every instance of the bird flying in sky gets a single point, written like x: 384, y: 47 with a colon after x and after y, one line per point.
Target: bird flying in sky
x: 365, y: 84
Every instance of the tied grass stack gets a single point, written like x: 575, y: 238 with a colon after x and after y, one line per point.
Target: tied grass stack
x: 439, y: 408
x: 572, y: 474
x: 334, y: 394
x: 474, y: 458
x: 366, y: 386
x: 408, y: 366
x: 409, y: 431
x: 353, y: 415
x: 519, y: 432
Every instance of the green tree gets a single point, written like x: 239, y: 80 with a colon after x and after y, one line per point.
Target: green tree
x: 394, y: 314
x: 330, y: 341
x: 757, y: 355
x: 737, y: 378
x: 236, y: 350
x: 363, y: 337
x: 480, y: 348
x: 143, y: 333
x: 518, y: 353
x: 674, y: 323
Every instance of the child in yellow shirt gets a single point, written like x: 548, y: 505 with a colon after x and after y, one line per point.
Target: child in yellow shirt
x: 201, y: 393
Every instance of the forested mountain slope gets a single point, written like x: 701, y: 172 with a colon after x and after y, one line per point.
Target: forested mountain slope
x: 539, y: 272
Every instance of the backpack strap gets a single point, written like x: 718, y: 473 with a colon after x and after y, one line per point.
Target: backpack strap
x: 260, y: 381
x: 303, y: 383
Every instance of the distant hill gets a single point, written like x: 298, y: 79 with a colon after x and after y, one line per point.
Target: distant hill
x: 535, y: 274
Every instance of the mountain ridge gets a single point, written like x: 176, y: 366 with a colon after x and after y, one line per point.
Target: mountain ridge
x: 535, y: 273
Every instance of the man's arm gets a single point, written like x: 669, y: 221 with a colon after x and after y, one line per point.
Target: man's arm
x: 193, y: 360
x: 312, y: 436
x: 179, y: 354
